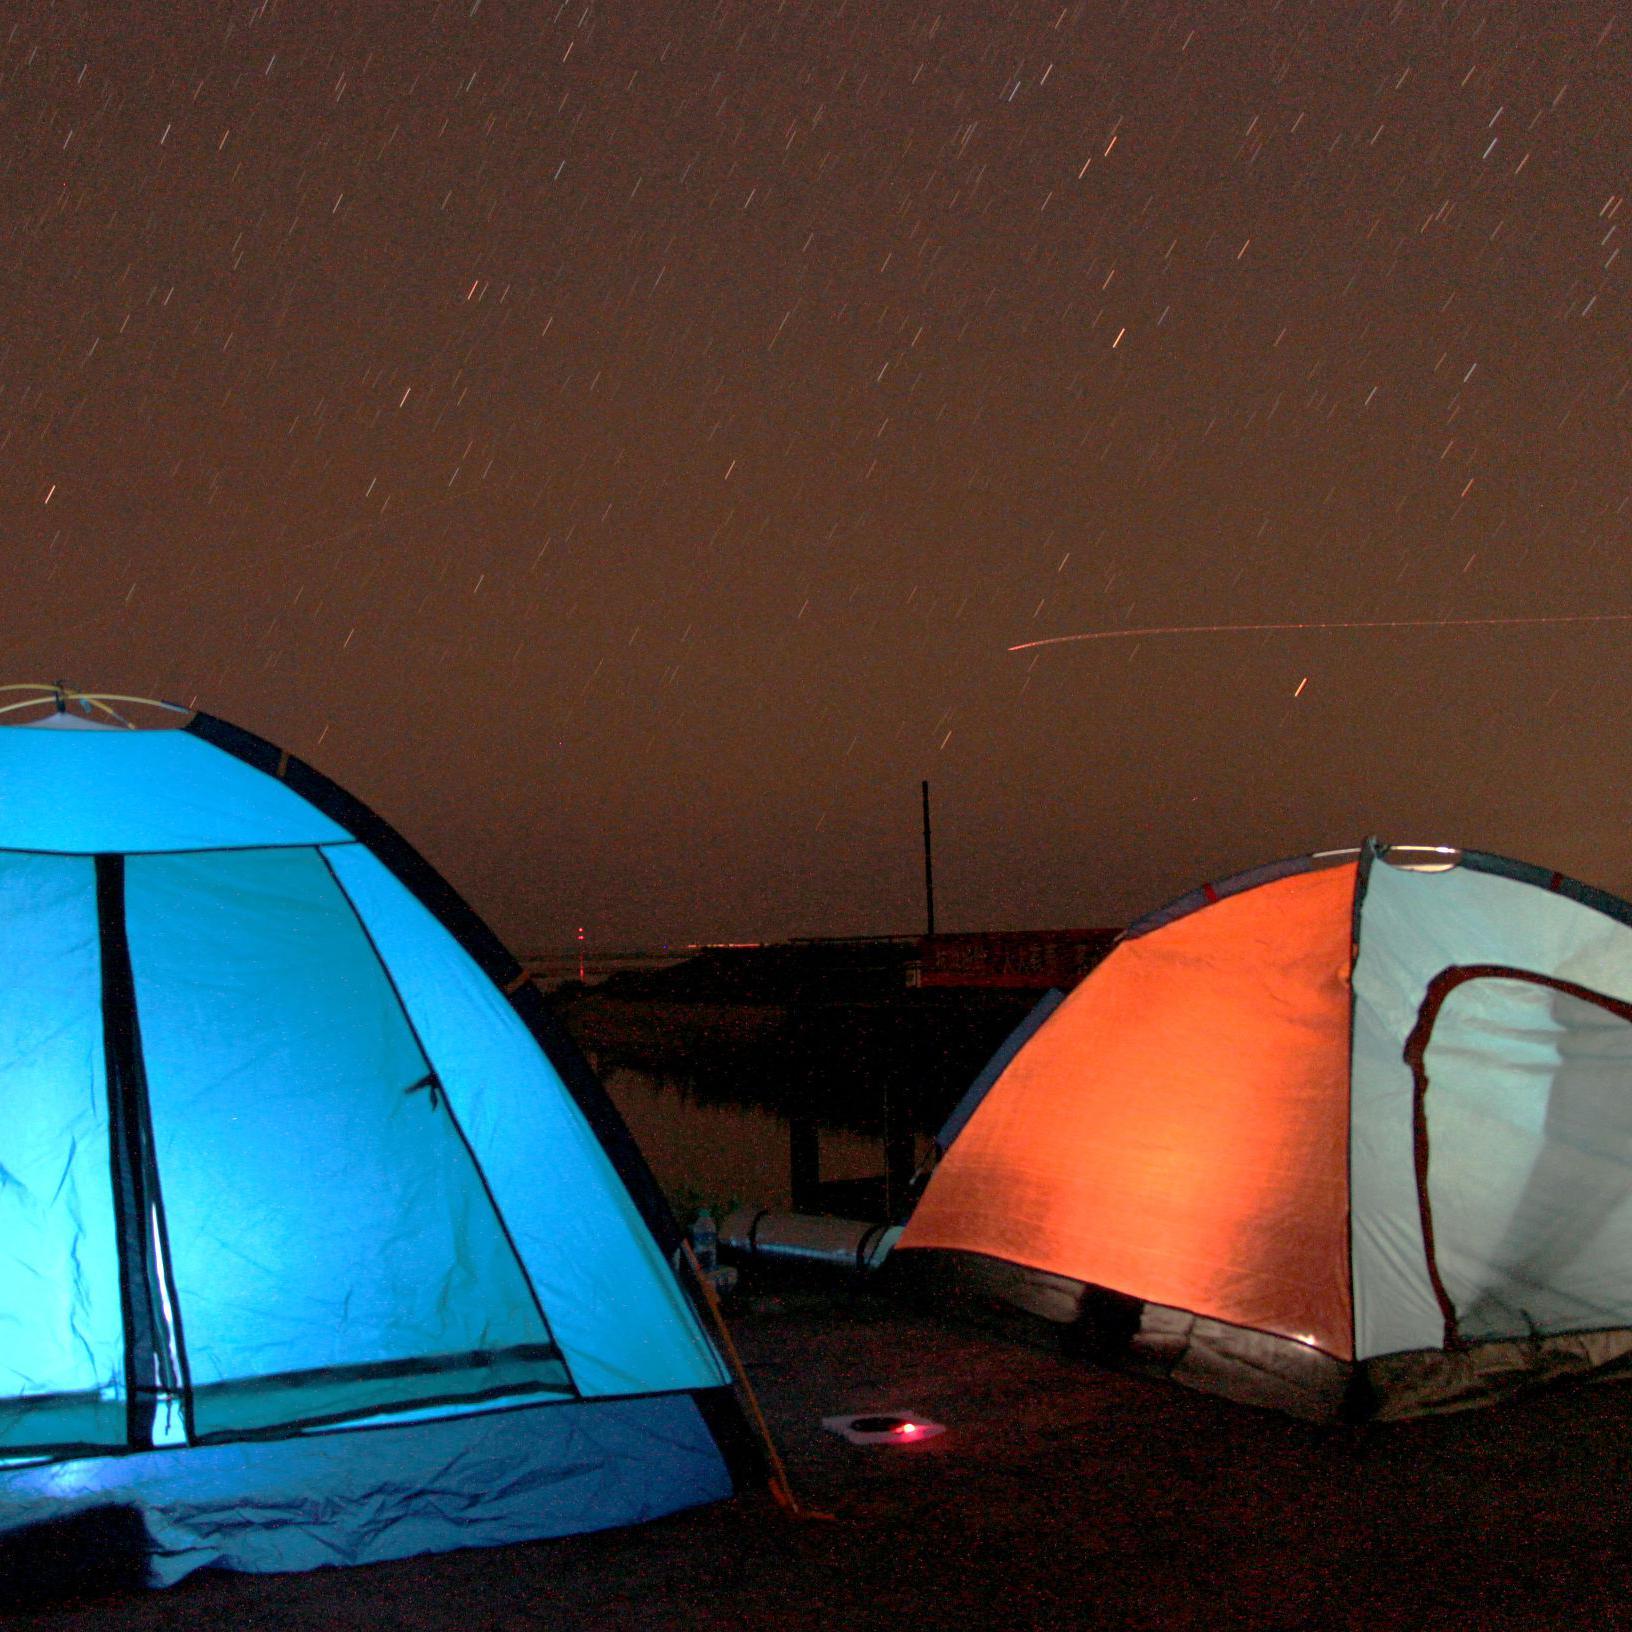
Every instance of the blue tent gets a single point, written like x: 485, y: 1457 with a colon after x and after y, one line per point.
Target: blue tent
x: 319, y: 1242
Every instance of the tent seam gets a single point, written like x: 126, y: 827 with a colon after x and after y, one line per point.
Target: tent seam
x: 453, y: 1119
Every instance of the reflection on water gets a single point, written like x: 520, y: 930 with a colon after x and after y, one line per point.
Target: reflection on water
x: 725, y: 1152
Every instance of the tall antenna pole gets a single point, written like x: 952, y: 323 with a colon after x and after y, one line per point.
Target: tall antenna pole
x: 929, y: 867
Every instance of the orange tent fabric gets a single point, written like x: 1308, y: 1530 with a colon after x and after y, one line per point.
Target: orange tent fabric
x: 1179, y: 1129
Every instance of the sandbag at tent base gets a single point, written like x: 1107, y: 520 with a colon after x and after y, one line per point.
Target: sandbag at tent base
x: 367, y: 1495
x: 1253, y: 1368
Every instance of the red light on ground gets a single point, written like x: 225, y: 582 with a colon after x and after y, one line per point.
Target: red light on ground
x: 884, y: 1428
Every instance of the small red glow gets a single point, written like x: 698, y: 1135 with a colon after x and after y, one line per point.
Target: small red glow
x: 906, y: 1428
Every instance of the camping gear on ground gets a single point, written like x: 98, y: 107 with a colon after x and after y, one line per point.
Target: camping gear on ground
x: 705, y: 1241
x: 756, y: 1237
x: 319, y: 1241
x: 1216, y: 1160
x: 898, y: 1426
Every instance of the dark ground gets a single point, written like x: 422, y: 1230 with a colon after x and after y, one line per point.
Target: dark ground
x: 1059, y: 1496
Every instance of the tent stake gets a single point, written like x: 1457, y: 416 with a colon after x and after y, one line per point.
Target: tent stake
x: 781, y: 1488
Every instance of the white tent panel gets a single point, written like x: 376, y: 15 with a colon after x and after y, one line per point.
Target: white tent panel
x: 1501, y: 1087
x: 1529, y: 1119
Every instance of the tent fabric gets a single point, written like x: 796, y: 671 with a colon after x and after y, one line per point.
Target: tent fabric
x: 61, y: 1341
x: 279, y: 1159
x: 277, y: 1051
x: 1561, y: 1229
x: 478, y: 942
x: 1507, y: 1066
x: 373, y: 1494
x: 68, y: 792
x: 1572, y: 889
x: 1174, y: 1109
x: 1205, y: 894
x: 623, y: 1323
x: 1220, y: 1133
x: 997, y: 1065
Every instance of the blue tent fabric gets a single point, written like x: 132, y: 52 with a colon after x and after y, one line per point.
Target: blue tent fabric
x: 372, y: 1494
x: 479, y: 943
x: 316, y: 1243
x: 63, y: 1345
x: 120, y: 792
x: 616, y: 1308
x: 1518, y: 1074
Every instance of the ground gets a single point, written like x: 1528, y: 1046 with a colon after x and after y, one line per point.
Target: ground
x: 1060, y: 1496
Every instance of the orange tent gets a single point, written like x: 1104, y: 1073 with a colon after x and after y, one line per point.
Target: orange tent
x: 1209, y: 1159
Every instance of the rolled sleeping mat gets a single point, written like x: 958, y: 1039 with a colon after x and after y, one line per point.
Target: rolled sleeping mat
x: 758, y: 1236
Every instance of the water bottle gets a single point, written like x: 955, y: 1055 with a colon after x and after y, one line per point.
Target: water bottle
x: 705, y: 1241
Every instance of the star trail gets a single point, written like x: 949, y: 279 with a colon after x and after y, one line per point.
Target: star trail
x: 628, y: 445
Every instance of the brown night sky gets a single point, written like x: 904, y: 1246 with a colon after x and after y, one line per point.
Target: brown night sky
x: 621, y: 443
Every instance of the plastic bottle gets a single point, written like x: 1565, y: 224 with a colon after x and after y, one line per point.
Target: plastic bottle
x: 705, y: 1241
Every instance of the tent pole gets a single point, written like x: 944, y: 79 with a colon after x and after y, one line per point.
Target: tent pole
x: 781, y: 1488
x: 929, y: 868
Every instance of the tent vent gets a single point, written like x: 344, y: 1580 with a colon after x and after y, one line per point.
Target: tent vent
x: 1423, y: 858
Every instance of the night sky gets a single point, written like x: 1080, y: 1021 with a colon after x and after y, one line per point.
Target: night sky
x: 622, y: 443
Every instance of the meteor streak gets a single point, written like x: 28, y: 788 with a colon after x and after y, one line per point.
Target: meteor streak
x: 1356, y: 623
